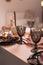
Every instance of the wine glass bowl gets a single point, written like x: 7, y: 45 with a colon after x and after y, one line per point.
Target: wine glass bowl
x: 30, y: 23
x: 20, y: 31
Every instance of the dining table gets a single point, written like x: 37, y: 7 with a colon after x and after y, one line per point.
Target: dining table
x: 21, y: 51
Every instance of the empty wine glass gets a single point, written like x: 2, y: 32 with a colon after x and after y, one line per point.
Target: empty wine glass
x: 20, y: 31
x: 36, y: 36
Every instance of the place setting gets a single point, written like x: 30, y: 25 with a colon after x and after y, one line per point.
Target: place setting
x: 7, y: 39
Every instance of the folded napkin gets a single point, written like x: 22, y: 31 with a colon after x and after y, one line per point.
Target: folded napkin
x: 27, y: 41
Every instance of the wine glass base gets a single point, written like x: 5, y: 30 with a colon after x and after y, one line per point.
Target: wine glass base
x: 20, y: 42
x: 34, y: 50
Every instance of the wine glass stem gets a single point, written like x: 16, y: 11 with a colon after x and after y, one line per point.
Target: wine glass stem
x: 21, y: 39
x: 35, y: 47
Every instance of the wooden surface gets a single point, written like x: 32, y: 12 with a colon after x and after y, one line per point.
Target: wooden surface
x: 6, y: 58
x: 20, y: 51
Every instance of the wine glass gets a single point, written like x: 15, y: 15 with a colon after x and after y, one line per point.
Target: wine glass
x: 36, y: 36
x: 20, y: 31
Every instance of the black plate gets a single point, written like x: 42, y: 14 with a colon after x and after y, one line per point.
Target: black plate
x: 8, y: 41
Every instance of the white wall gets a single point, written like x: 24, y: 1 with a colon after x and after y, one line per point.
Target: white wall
x: 18, y: 5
